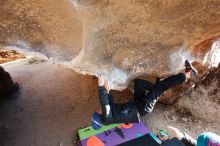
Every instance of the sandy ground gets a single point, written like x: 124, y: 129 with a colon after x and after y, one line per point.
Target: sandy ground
x: 54, y: 102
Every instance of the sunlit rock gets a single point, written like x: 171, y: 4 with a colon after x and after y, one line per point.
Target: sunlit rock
x: 120, y: 39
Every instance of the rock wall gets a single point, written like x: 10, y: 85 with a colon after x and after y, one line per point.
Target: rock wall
x: 203, y: 102
x: 121, y: 39
x: 50, y: 27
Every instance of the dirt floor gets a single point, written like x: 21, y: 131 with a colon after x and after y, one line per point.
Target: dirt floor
x: 54, y: 102
x: 51, y: 105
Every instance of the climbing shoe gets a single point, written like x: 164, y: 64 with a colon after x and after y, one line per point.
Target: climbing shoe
x: 190, y: 68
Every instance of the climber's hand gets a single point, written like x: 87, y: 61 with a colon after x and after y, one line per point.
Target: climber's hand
x: 107, y: 86
x: 101, y: 80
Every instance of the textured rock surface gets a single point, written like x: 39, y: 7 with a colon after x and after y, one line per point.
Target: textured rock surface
x: 121, y: 39
x: 204, y: 101
x: 146, y: 36
x: 48, y: 26
x: 174, y: 94
x: 209, y: 81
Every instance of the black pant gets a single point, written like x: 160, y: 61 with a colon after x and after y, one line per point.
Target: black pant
x: 145, y: 102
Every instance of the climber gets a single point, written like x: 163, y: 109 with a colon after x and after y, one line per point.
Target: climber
x: 204, y: 139
x: 7, y: 86
x: 143, y: 101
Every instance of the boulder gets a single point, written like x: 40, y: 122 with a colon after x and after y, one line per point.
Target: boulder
x: 7, y: 85
x: 117, y: 38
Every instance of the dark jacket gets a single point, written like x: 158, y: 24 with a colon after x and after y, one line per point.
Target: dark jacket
x: 121, y: 113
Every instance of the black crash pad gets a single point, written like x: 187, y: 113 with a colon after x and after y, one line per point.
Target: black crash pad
x: 145, y: 140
